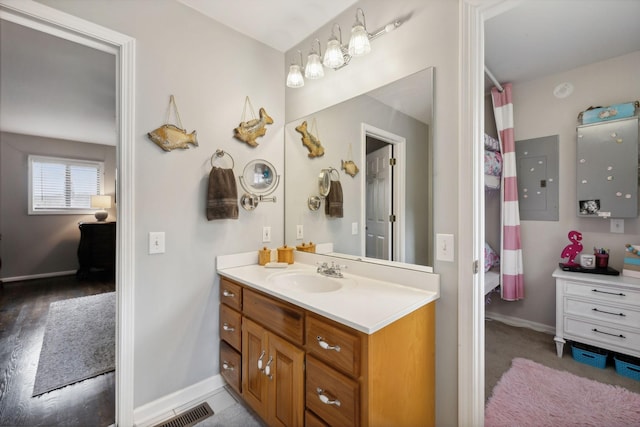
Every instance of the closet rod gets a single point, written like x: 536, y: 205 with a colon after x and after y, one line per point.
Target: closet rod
x: 493, y: 79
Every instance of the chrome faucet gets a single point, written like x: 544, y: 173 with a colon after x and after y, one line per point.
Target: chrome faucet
x: 333, y: 270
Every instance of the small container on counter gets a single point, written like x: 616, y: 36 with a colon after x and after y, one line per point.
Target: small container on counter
x: 264, y: 256
x: 285, y: 254
x: 307, y: 247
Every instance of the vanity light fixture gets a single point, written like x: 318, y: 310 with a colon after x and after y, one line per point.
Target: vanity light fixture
x: 314, y: 69
x: 294, y: 78
x: 336, y: 54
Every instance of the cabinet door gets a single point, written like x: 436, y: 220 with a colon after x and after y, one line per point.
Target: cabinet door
x: 254, y: 359
x: 286, y: 383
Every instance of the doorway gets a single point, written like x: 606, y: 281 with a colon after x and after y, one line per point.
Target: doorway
x: 383, y: 191
x: 51, y: 21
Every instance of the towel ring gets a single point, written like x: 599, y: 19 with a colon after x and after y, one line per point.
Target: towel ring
x: 331, y: 171
x: 220, y: 153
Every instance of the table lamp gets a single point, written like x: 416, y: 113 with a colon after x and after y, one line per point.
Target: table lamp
x: 102, y: 203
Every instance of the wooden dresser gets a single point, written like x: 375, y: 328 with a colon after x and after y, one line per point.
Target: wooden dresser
x: 599, y: 310
x: 295, y: 367
x: 97, y: 248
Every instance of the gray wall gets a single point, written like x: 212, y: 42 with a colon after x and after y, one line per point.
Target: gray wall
x: 538, y: 113
x: 41, y: 244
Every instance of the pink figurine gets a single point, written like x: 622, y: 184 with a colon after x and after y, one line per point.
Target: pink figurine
x: 573, y: 249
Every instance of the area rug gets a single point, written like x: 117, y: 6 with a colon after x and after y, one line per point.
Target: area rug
x: 78, y: 343
x: 530, y: 394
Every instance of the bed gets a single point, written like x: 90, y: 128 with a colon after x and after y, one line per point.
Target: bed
x: 491, y: 269
x: 492, y: 163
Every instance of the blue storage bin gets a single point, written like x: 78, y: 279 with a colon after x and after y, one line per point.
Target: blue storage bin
x: 628, y: 366
x: 603, y: 114
x: 593, y: 356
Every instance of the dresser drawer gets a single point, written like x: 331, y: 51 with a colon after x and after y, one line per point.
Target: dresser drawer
x: 230, y: 294
x: 608, y: 313
x: 603, y: 292
x: 284, y: 319
x: 335, y: 346
x: 596, y: 333
x: 231, y: 326
x: 230, y: 365
x: 325, y: 388
x: 311, y: 420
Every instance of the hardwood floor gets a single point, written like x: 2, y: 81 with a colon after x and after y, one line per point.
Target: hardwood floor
x: 23, y: 315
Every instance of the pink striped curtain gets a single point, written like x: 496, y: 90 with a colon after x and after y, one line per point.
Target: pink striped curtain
x: 512, y: 280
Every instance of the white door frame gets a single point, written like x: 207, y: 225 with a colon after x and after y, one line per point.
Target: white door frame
x: 399, y: 187
x: 471, y: 350
x: 52, y: 21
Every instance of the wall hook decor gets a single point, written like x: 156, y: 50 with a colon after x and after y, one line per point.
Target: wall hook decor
x: 249, y: 131
x: 169, y: 136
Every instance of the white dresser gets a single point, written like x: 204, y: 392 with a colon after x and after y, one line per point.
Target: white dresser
x: 599, y: 310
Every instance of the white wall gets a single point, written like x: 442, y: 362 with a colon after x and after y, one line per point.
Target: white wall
x: 538, y: 113
x: 428, y: 38
x: 210, y: 69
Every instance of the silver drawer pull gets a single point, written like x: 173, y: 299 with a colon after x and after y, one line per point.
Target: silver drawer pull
x: 267, y: 369
x: 607, y: 333
x: 322, y: 343
x: 226, y: 327
x: 325, y: 399
x: 608, y: 312
x: 227, y: 293
x: 620, y: 294
x: 228, y: 366
x: 260, y: 360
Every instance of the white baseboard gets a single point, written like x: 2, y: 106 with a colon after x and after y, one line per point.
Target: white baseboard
x: 37, y: 276
x: 521, y: 323
x: 172, y: 404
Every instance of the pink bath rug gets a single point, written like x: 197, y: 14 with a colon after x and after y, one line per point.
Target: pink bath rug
x: 530, y: 394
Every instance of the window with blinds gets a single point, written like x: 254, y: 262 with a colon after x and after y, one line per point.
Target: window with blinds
x: 63, y: 186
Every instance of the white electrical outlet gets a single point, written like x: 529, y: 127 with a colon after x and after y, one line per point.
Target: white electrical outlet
x: 299, y: 232
x: 444, y: 247
x: 354, y: 228
x: 617, y: 226
x: 266, y: 234
x: 156, y: 242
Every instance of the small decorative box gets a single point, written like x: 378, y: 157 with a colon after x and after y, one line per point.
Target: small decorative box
x: 285, y: 254
x: 603, y: 114
x: 307, y: 247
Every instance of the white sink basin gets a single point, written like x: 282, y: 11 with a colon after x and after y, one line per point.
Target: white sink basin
x: 306, y: 281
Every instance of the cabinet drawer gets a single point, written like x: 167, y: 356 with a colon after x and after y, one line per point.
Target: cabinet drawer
x: 310, y: 420
x: 284, y: 319
x: 230, y: 294
x: 597, y: 333
x: 325, y: 388
x: 230, y: 365
x: 335, y: 346
x: 596, y: 310
x: 603, y: 292
x: 231, y: 326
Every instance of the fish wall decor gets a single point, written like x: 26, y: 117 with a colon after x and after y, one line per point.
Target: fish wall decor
x: 311, y: 142
x: 350, y: 168
x: 168, y: 136
x: 250, y: 130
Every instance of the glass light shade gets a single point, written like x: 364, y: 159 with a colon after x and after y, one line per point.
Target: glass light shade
x: 333, y: 55
x: 294, y: 78
x: 359, y: 43
x: 314, y: 69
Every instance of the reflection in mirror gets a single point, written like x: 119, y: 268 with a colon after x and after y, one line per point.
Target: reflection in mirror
x: 259, y: 179
x: 387, y: 211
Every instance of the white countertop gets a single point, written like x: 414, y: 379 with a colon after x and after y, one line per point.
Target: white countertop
x: 364, y: 303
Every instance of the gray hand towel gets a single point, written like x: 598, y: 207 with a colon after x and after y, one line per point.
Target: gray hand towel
x: 222, y: 196
x: 333, y: 201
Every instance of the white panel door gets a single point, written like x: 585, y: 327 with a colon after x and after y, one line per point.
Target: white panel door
x: 378, y: 204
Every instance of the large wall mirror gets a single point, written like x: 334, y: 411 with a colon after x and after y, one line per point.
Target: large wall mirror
x: 387, y: 212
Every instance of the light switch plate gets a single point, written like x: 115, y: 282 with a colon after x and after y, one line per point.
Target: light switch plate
x: 617, y: 226
x: 354, y: 228
x: 444, y: 247
x: 299, y: 232
x: 156, y: 242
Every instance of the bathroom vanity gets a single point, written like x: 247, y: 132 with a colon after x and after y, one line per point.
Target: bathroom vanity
x: 304, y: 349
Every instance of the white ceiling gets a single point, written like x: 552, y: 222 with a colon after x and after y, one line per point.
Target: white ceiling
x: 533, y: 39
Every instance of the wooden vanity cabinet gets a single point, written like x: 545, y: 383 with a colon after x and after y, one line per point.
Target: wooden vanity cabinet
x: 300, y: 368
x: 231, y: 333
